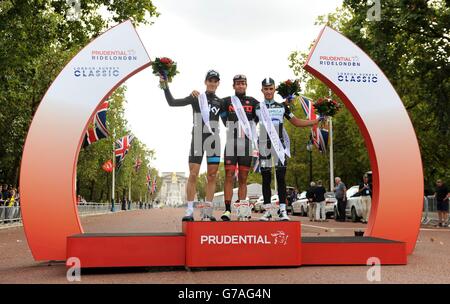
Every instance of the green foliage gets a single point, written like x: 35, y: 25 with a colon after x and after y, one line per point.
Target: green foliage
x: 411, y: 45
x: 37, y: 39
x: 93, y: 182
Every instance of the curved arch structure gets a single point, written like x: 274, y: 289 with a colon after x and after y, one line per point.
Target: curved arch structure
x: 48, y: 170
x: 389, y: 135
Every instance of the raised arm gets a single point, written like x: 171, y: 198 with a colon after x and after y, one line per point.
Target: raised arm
x: 177, y: 102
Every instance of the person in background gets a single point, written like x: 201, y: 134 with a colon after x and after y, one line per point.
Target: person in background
x: 310, y: 195
x: 319, y: 193
x: 365, y: 191
x: 442, y: 197
x: 2, y: 202
x: 339, y: 191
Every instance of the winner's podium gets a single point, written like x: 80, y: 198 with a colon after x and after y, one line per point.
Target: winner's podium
x: 230, y: 244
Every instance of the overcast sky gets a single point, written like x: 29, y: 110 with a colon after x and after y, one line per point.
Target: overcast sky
x: 251, y: 37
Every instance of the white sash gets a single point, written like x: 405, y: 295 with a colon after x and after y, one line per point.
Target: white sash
x: 272, y: 132
x: 287, y: 143
x: 204, y: 109
x: 242, y: 119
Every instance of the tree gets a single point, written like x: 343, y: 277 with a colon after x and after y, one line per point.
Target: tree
x: 411, y: 45
x: 92, y: 182
x: 37, y: 39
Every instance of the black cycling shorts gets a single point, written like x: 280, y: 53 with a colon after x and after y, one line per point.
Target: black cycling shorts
x: 208, y: 144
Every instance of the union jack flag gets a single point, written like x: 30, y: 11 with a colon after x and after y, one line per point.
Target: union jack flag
x: 97, y: 126
x: 154, y: 185
x: 149, y: 181
x: 137, y: 164
x: 122, y: 147
x: 319, y: 136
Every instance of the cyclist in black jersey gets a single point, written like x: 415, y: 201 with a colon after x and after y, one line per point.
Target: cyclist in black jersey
x: 277, y: 112
x: 239, y: 147
x: 204, y: 139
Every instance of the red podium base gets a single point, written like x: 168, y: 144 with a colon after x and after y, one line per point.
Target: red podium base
x: 230, y: 244
x: 222, y: 244
x: 97, y: 250
x: 338, y: 250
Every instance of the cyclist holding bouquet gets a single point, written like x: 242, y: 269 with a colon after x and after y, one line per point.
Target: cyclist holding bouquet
x: 205, y: 138
x: 274, y: 143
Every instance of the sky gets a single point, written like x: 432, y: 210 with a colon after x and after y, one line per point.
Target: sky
x: 251, y: 37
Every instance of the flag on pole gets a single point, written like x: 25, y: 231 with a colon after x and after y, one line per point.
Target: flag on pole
x: 137, y: 164
x: 97, y: 126
x: 122, y: 147
x: 154, y: 185
x: 319, y: 136
x: 149, y: 182
x: 108, y: 166
x: 322, y: 143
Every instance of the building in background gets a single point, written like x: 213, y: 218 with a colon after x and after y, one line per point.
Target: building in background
x: 173, y: 189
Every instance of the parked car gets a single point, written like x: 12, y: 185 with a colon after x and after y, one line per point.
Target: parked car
x: 259, y: 205
x: 353, y: 207
x: 289, y: 191
x: 330, y: 202
x: 275, y: 200
x: 300, y: 205
x: 252, y: 200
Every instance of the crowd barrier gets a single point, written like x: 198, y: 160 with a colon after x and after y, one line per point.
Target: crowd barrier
x: 13, y: 214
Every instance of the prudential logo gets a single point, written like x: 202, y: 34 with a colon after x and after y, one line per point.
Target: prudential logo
x: 276, y: 238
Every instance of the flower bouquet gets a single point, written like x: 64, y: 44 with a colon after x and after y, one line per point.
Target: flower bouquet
x: 289, y: 89
x: 326, y: 107
x: 166, y: 68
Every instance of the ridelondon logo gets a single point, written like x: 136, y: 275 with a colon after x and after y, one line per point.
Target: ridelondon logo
x: 344, y: 61
x: 357, y: 77
x: 96, y: 72
x: 113, y: 55
x: 276, y: 238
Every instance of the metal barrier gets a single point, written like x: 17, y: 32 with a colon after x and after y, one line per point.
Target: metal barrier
x: 429, y: 214
x: 12, y: 214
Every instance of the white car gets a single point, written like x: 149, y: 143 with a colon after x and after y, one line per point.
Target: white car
x: 353, y: 207
x: 300, y: 206
x: 330, y: 202
x: 259, y: 205
x: 274, y: 200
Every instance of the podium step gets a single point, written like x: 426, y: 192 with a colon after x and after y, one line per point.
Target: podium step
x: 236, y: 244
x: 338, y: 250
x: 96, y: 250
x: 230, y: 244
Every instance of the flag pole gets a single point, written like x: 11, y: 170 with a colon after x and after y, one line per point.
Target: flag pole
x: 113, y: 177
x: 331, y: 152
x: 129, y: 191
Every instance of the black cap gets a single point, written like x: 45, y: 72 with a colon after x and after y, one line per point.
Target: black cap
x: 239, y: 77
x: 268, y: 81
x: 212, y: 74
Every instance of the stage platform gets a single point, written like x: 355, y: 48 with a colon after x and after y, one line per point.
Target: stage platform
x: 230, y: 244
x: 340, y: 250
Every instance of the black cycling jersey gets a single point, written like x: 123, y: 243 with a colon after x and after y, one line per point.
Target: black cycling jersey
x: 214, y: 102
x: 229, y: 115
x: 233, y: 154
x: 211, y: 145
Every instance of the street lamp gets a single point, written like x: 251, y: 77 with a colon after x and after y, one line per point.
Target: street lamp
x: 309, y: 147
